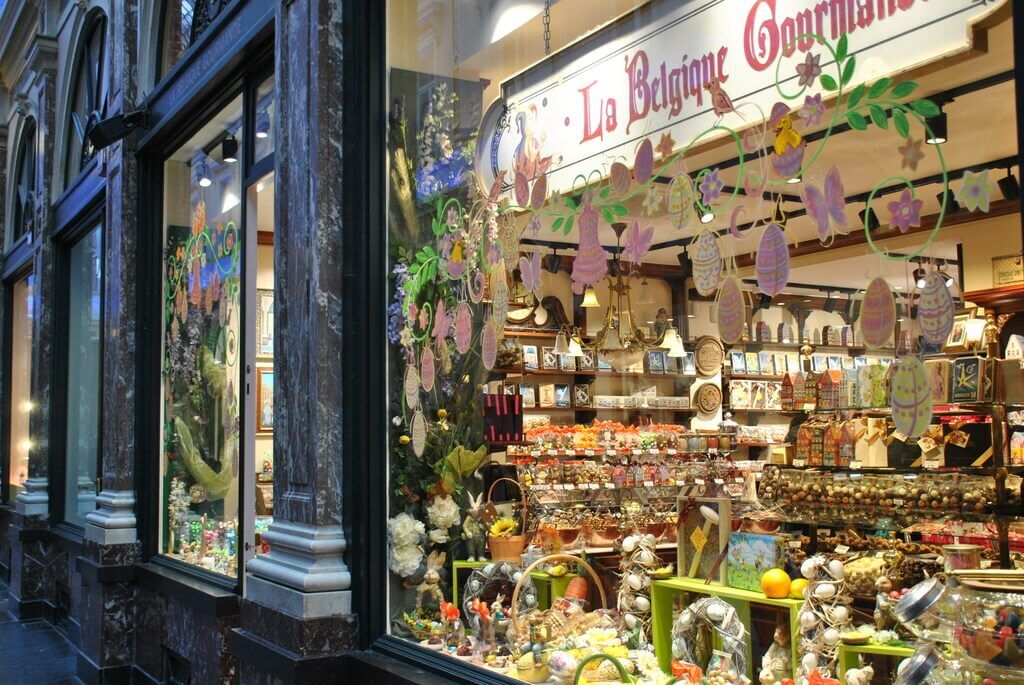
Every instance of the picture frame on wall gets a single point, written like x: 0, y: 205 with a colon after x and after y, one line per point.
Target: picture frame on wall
x: 265, y: 323
x: 656, y: 361
x: 264, y: 400
x: 549, y: 359
x: 957, y: 340
x: 739, y: 362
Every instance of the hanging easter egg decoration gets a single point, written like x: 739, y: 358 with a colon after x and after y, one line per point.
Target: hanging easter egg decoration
x: 935, y: 309
x: 489, y: 344
x: 419, y: 433
x: 772, y: 262
x: 427, y: 369
x: 499, y: 296
x: 707, y: 263
x: 522, y: 189
x: 911, y: 398
x: 619, y: 177
x: 643, y: 167
x: 680, y: 200
x: 877, y: 314
x: 412, y: 385
x: 732, y: 310
x: 539, y: 192
x: 463, y: 327
x: 475, y: 286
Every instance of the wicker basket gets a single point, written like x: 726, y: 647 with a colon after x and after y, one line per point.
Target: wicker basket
x: 518, y: 628
x: 509, y: 547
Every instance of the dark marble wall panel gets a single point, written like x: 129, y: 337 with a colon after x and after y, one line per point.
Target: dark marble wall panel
x: 309, y: 637
x: 201, y: 638
x: 150, y: 632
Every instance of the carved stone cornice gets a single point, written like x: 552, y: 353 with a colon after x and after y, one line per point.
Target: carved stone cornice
x: 19, y: 22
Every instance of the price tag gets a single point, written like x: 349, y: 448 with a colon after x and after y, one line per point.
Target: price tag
x: 698, y: 481
x: 558, y: 486
x: 680, y: 483
x: 879, y: 555
x: 740, y: 479
x: 538, y: 487
x: 570, y: 486
x: 588, y: 453
x: 611, y: 453
x: 855, y: 464
x: 534, y: 453
x: 609, y: 486
x: 671, y: 450
x: 897, y: 503
x: 932, y: 464
x: 648, y: 483
x: 799, y: 463
x: 842, y: 549
x: 795, y: 544
x: 593, y: 486
x: 719, y: 481
x: 638, y: 452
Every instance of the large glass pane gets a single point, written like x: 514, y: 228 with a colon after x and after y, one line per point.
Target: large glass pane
x: 266, y: 114
x: 201, y: 362
x: 20, y: 442
x: 85, y: 325
x: 87, y: 92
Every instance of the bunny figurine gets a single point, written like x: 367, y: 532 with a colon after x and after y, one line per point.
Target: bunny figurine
x: 431, y: 580
x: 473, y: 529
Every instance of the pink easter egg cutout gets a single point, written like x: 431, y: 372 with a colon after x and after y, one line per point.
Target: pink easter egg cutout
x: 877, y: 315
x: 419, y: 433
x: 619, y: 178
x: 707, y: 263
x: 732, y: 310
x: 489, y: 344
x: 935, y: 309
x: 911, y: 398
x: 539, y: 192
x: 463, y: 328
x: 427, y: 369
x: 772, y: 262
x: 476, y: 286
x: 643, y: 167
x: 522, y: 189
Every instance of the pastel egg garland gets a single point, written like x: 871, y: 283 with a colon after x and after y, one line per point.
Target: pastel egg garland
x: 935, y: 309
x: 877, y: 314
x: 911, y: 398
x: 732, y: 310
x: 772, y: 261
x: 707, y: 263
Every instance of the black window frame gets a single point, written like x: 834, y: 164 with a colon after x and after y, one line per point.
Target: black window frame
x: 96, y: 23
x: 18, y: 267
x: 26, y: 159
x: 243, y: 81
x: 67, y: 237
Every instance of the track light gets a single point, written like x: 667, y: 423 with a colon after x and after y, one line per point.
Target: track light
x: 848, y: 308
x: 552, y: 263
x: 919, y: 277
x: 707, y: 218
x: 869, y: 218
x: 830, y: 303
x: 949, y: 279
x: 794, y: 180
x: 764, y: 301
x: 937, y: 126
x: 229, y: 149
x: 1009, y: 186
x: 947, y: 200
x: 262, y: 124
x: 205, y: 177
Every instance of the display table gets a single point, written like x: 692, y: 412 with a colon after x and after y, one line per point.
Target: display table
x: 849, y: 655
x: 664, y: 592
x: 549, y: 588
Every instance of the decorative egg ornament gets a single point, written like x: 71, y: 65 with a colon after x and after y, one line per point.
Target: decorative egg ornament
x: 499, y: 299
x: 427, y: 369
x: 911, y: 398
x: 707, y: 263
x: 419, y: 433
x: 643, y: 167
x: 877, y: 314
x: 620, y: 179
x: 680, y: 200
x: 935, y: 309
x: 772, y: 262
x: 732, y: 310
x: 463, y: 327
x: 522, y: 189
x: 489, y: 344
x: 539, y: 192
x: 412, y: 385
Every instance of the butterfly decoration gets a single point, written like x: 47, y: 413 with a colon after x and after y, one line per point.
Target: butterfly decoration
x: 826, y: 205
x: 638, y: 242
x: 530, y: 272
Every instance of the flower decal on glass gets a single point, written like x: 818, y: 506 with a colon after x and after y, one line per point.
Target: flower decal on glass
x: 809, y: 70
x: 652, y: 201
x: 666, y: 145
x: 976, y: 191
x: 906, y: 211
x: 813, y: 110
x: 711, y: 187
x: 911, y: 153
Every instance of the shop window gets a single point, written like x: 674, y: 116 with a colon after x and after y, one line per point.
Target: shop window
x: 19, y: 440
x: 265, y: 119
x: 175, y: 33
x: 23, y: 200
x: 83, y: 379
x: 87, y: 103
x: 202, y: 362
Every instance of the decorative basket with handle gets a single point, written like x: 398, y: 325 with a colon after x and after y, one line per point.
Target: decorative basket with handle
x: 508, y: 547
x: 518, y: 628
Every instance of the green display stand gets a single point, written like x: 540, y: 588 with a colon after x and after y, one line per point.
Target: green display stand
x: 849, y: 655
x: 549, y: 588
x: 457, y: 581
x: 664, y: 592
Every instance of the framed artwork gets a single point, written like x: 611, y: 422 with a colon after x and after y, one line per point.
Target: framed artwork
x: 586, y: 362
x: 264, y: 400
x: 567, y: 362
x: 687, y: 364
x: 549, y: 360
x: 530, y: 359
x: 562, y: 397
x: 957, y: 340
x: 739, y: 362
x: 265, y: 323
x: 656, y: 361
x: 529, y: 394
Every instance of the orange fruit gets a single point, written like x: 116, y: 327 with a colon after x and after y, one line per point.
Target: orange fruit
x: 796, y: 588
x: 775, y: 583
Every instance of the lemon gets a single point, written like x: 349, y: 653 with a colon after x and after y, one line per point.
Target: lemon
x: 775, y: 583
x: 796, y: 588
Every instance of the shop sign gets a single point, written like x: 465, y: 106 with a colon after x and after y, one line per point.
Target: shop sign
x: 655, y: 70
x: 1007, y: 270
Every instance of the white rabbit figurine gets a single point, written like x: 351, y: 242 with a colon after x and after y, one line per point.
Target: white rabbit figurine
x: 473, y: 528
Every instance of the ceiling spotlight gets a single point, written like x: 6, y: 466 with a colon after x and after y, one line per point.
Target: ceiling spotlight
x: 205, y: 177
x: 590, y: 298
x: 869, y: 218
x: 919, y: 276
x: 848, y: 308
x: 794, y: 180
x: 229, y: 149
x: 263, y: 124
x: 830, y: 303
x: 949, y: 279
x: 707, y: 218
x: 764, y: 301
x: 552, y: 263
x: 1009, y: 186
x: 947, y: 201
x: 937, y: 127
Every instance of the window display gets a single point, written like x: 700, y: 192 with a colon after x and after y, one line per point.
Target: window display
x: 19, y: 440
x: 202, y: 259
x: 656, y: 371
x: 85, y: 325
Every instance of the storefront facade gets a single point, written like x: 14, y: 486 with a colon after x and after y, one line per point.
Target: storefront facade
x: 289, y: 288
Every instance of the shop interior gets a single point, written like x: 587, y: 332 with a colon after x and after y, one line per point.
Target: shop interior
x: 727, y: 431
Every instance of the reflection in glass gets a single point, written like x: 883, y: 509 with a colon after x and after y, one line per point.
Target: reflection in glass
x: 85, y: 322
x: 201, y: 361
x: 20, y: 444
x: 266, y: 113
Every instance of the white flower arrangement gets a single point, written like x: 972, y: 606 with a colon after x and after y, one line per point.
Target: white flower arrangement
x: 443, y: 513
x: 438, y: 536
x: 405, y: 560
x: 404, y: 530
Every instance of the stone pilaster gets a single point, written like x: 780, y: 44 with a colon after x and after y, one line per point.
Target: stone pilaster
x: 111, y: 548
x: 297, y: 606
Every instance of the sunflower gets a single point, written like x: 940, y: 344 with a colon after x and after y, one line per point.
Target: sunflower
x: 503, y: 528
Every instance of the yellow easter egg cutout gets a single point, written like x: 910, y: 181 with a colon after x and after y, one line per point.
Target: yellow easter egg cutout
x: 911, y: 398
x: 707, y: 263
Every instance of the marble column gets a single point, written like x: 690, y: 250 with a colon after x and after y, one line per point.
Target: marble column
x: 31, y: 554
x: 110, y: 544
x: 297, y: 596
